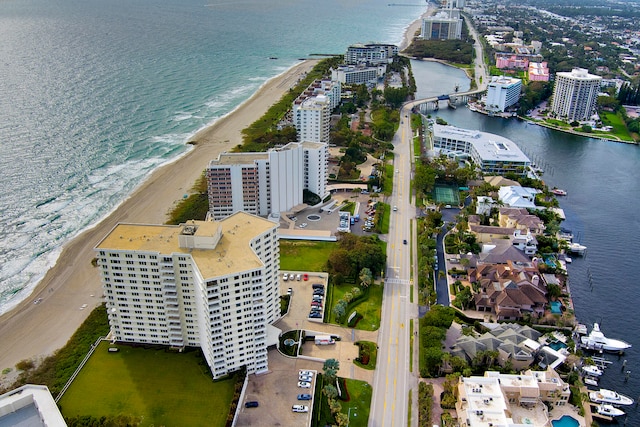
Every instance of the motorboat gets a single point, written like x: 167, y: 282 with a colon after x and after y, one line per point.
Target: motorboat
x: 610, y: 410
x: 597, y: 341
x: 609, y: 397
x: 592, y: 370
x: 577, y: 248
x: 591, y: 381
x: 559, y: 192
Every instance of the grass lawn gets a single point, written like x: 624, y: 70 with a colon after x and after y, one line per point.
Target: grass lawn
x: 619, y: 127
x: 359, y: 401
x: 387, y: 186
x: 299, y: 255
x: 383, y: 213
x: 164, y: 389
x: 370, y: 308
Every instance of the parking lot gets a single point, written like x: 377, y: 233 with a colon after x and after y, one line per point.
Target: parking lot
x: 314, y: 221
x: 277, y: 390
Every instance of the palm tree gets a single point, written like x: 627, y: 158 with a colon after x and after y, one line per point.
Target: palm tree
x: 366, y: 277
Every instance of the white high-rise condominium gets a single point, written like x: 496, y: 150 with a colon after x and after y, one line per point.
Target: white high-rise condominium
x: 503, y: 92
x: 207, y: 284
x: 575, y: 95
x: 311, y: 117
x: 266, y: 183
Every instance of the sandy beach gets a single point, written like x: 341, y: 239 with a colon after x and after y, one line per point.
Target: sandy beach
x: 71, y: 289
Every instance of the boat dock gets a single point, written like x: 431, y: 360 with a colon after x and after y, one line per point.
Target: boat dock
x: 593, y: 409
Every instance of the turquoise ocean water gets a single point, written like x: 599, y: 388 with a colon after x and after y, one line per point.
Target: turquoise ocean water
x: 94, y: 95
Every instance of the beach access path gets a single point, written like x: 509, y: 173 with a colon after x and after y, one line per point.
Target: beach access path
x: 45, y: 321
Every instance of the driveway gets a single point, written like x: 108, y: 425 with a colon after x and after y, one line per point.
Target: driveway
x: 297, y: 318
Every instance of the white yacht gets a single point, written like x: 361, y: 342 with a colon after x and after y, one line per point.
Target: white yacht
x: 592, y: 370
x: 610, y: 410
x: 609, y: 397
x: 597, y: 341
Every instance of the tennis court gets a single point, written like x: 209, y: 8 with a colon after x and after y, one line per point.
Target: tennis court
x: 446, y: 194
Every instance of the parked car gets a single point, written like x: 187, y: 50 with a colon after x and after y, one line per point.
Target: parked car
x: 251, y: 404
x: 298, y: 277
x: 305, y: 276
x: 307, y: 373
x: 316, y: 304
x: 300, y: 408
x: 305, y: 378
x: 289, y: 291
x: 304, y: 396
x: 304, y: 384
x: 285, y: 277
x: 315, y: 315
x: 318, y: 292
x: 317, y: 286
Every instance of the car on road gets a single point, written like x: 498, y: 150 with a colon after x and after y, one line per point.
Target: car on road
x: 307, y: 373
x: 300, y: 408
x: 304, y: 384
x: 404, y: 241
x: 395, y: 208
x: 289, y: 291
x: 304, y: 396
x: 251, y: 404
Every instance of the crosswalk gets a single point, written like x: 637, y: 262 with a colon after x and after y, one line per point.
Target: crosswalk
x: 394, y: 281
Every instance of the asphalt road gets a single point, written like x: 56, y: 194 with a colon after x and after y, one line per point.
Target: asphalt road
x: 392, y: 379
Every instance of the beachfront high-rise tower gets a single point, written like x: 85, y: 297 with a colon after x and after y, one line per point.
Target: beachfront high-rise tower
x: 575, y: 95
x: 267, y: 183
x: 207, y: 284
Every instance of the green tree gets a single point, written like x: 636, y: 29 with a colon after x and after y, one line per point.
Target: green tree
x: 330, y: 369
x: 330, y: 391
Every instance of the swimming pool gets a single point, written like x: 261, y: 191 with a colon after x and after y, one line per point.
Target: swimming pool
x: 566, y: 421
x: 557, y: 345
x: 556, y: 307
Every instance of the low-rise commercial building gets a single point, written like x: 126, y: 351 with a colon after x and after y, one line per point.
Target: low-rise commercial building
x: 358, y: 74
x: 492, y: 154
x: 370, y: 53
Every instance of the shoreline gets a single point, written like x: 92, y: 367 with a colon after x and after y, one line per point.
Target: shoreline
x: 43, y: 322
x: 71, y: 288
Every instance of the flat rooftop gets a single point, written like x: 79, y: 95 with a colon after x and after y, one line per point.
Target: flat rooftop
x: 227, y: 159
x: 232, y: 252
x: 29, y: 406
x: 490, y: 147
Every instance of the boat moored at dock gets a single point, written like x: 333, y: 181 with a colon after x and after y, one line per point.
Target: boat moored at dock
x: 609, y: 397
x: 597, y: 341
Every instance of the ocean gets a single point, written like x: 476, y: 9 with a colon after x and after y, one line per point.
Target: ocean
x: 95, y: 95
